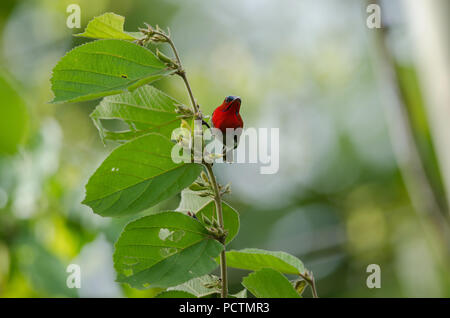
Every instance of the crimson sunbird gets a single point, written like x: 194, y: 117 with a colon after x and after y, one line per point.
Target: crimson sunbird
x: 227, y: 116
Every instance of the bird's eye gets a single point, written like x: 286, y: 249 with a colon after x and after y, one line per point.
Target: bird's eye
x: 229, y: 99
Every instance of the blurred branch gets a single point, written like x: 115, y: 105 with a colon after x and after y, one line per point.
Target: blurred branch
x: 404, y: 146
x: 429, y: 26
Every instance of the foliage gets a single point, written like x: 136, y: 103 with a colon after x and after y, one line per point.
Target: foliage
x: 102, y: 68
x: 107, y: 26
x: 256, y: 259
x: 203, y: 286
x: 145, y: 110
x: 164, y: 250
x: 176, y: 250
x: 13, y: 116
x: 268, y: 283
x: 136, y: 176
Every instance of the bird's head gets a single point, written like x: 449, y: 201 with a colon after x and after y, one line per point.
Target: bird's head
x: 232, y: 102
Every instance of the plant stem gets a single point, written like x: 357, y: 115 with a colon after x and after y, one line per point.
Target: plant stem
x: 186, y: 82
x: 313, y: 287
x: 212, y: 177
x: 311, y: 282
x: 218, y: 202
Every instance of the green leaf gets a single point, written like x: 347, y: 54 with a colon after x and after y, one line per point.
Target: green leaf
x: 102, y: 68
x: 256, y: 259
x: 107, y: 26
x: 136, y: 176
x: 300, y: 285
x: 230, y: 218
x: 241, y: 294
x: 144, y: 110
x: 268, y: 283
x: 136, y: 35
x: 197, y: 286
x: 13, y: 117
x: 175, y: 294
x: 191, y: 202
x: 163, y: 250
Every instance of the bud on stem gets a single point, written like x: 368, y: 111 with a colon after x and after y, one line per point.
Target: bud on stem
x: 167, y: 60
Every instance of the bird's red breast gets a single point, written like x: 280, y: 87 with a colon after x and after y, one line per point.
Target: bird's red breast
x: 227, y: 115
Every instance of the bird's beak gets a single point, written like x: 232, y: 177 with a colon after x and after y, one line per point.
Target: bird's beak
x: 236, y: 99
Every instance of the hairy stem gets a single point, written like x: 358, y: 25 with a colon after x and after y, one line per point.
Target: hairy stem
x: 212, y: 177
x: 218, y: 202
x: 186, y: 82
x: 313, y: 286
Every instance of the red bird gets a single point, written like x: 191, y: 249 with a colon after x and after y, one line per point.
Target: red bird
x: 227, y: 116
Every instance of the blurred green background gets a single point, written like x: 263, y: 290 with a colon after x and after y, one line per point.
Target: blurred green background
x: 340, y: 201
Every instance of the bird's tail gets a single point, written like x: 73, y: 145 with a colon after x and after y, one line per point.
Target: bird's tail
x: 228, y: 152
